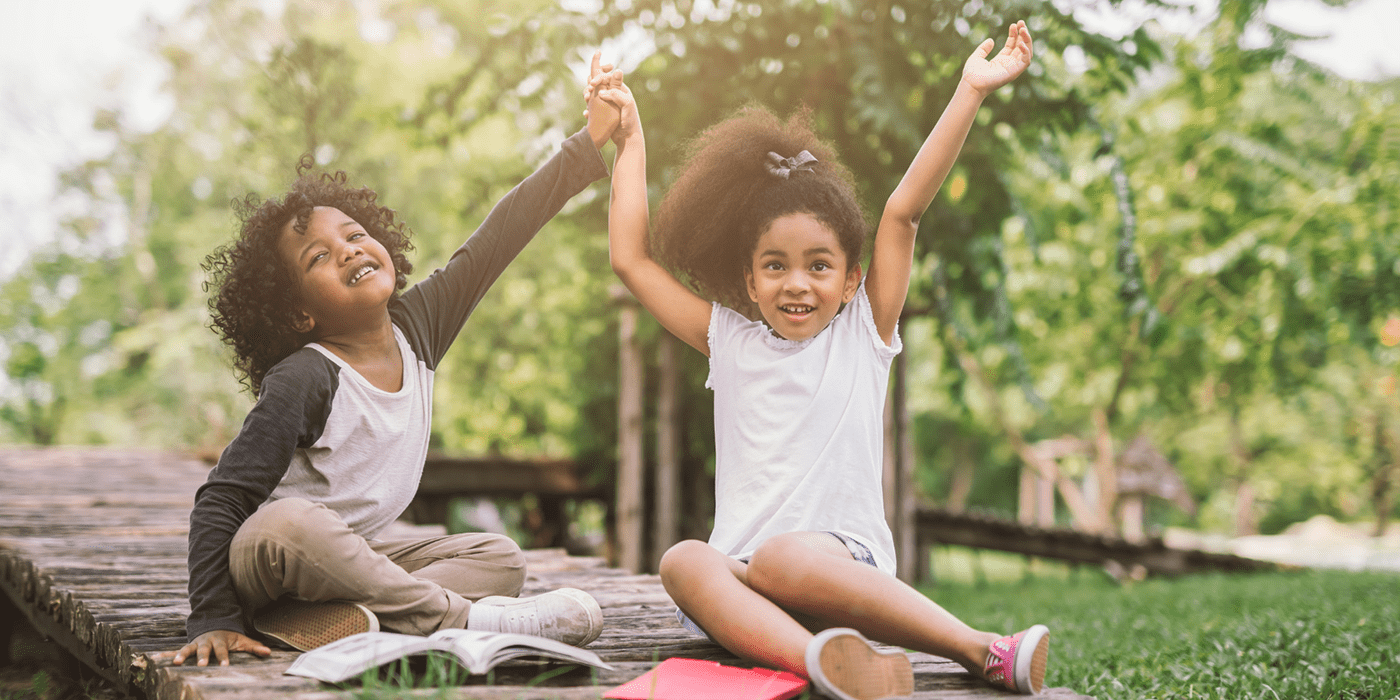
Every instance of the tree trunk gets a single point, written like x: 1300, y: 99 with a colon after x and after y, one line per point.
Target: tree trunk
x: 629, y: 438
x: 960, y: 481
x: 900, y: 498
x: 1245, y: 521
x: 1387, y: 447
x: 666, y: 531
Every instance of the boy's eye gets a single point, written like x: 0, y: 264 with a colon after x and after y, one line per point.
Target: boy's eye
x: 820, y: 267
x: 773, y: 266
x: 357, y: 234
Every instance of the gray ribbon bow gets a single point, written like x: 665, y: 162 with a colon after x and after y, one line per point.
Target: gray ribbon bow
x: 783, y: 167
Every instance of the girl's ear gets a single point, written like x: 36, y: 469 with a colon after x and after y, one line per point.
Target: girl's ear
x: 852, y: 284
x: 748, y: 284
x: 303, y: 322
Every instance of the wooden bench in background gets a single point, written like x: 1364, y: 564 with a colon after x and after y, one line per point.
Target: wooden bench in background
x: 552, y: 483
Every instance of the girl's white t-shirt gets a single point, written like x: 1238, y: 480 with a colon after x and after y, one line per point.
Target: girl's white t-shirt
x: 799, y: 431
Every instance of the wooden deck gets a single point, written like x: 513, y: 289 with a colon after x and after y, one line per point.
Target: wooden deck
x: 92, y: 552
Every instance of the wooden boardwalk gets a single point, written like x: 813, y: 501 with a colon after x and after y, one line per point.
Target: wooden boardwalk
x: 92, y: 552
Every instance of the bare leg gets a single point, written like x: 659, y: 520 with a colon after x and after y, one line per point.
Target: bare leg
x: 814, y: 574
x: 713, y: 590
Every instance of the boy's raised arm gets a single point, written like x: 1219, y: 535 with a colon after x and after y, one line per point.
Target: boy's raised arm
x: 679, y: 309
x: 887, y: 283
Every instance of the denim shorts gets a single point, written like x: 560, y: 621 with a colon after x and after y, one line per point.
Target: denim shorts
x: 859, y: 552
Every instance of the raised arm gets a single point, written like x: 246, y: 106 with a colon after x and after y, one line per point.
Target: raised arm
x: 887, y: 283
x: 679, y: 309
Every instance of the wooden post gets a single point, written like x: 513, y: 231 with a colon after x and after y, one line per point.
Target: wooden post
x: 1130, y: 511
x: 906, y: 542
x: 1026, y: 496
x: 890, y: 469
x: 1105, y: 470
x: 900, y: 498
x: 668, y: 452
x: 1044, y: 502
x: 629, y: 434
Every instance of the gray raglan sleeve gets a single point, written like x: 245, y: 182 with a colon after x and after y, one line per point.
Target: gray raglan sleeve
x: 432, y: 312
x: 293, y: 404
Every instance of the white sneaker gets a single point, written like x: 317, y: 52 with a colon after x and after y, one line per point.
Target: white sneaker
x: 567, y: 615
x: 843, y: 665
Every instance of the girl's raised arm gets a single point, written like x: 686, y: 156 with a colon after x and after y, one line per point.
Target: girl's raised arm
x: 679, y: 309
x: 887, y: 283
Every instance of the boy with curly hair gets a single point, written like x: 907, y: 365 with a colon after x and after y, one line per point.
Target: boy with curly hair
x: 282, y: 535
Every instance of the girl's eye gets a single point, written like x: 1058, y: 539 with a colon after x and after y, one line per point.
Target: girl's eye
x: 356, y: 235
x: 820, y: 267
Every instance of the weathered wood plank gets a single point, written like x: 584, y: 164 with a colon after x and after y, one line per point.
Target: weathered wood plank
x: 92, y: 547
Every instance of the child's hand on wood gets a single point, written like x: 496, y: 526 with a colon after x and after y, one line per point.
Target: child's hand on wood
x: 984, y: 75
x: 215, y: 645
x: 602, y: 116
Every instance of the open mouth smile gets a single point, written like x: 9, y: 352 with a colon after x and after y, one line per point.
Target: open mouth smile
x: 360, y: 274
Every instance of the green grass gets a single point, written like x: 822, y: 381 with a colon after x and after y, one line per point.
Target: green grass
x: 1281, y: 636
x: 1311, y: 634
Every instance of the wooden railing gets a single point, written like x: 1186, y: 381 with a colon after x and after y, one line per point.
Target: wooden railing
x: 1152, y: 556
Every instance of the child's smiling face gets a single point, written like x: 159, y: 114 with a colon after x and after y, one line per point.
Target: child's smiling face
x: 799, y: 276
x: 342, y: 272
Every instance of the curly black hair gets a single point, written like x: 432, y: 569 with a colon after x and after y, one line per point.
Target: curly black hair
x: 255, y: 303
x: 725, y: 197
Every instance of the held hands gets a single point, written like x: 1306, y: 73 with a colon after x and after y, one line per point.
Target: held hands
x: 985, y: 76
x: 602, y: 116
x: 220, y: 642
x: 607, y: 91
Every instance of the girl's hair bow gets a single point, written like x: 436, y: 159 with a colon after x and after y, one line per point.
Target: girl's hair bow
x: 784, y: 167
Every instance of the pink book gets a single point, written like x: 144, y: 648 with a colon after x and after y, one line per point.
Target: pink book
x: 694, y: 679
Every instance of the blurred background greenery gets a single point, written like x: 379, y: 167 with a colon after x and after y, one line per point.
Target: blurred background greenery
x: 1192, y: 233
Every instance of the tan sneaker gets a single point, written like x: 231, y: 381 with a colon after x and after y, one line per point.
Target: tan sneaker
x: 842, y: 664
x: 567, y: 615
x: 306, y: 625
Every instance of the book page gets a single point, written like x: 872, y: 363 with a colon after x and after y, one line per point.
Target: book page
x: 357, y: 653
x: 481, y: 651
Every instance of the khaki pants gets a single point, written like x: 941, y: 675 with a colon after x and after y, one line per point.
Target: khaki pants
x: 293, y: 547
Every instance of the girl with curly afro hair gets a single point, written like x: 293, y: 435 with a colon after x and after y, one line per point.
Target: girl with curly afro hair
x: 313, y: 297
x: 763, y: 220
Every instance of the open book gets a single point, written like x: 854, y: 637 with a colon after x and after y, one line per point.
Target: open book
x: 478, y: 652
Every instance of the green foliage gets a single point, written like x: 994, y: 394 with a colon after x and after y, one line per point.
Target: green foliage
x: 1184, y: 263
x: 1318, y: 634
x: 1196, y: 235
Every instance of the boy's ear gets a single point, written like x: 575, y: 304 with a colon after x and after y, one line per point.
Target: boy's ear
x: 852, y: 283
x: 303, y: 322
